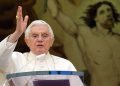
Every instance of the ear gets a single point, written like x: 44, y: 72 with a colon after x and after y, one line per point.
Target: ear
x: 26, y: 41
x: 52, y: 41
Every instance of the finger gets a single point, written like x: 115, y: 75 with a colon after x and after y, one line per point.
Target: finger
x: 19, y: 14
x: 17, y: 11
x: 25, y: 21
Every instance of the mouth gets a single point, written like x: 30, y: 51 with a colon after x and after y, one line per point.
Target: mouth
x: 40, y: 45
x: 109, y: 21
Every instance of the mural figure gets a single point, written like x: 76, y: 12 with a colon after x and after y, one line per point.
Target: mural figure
x: 97, y: 42
x: 68, y: 30
x: 100, y: 44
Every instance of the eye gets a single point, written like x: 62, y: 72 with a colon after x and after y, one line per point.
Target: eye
x: 109, y: 10
x: 34, y: 36
x: 45, y: 35
x: 101, y: 12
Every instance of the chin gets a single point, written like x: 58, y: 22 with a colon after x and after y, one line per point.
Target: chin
x: 40, y: 52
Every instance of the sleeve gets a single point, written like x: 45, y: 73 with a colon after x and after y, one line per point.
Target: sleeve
x: 71, y: 67
x: 7, y: 49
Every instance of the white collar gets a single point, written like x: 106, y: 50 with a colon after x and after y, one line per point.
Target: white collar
x: 31, y: 56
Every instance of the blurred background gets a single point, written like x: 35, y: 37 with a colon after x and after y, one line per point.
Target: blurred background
x: 66, y: 44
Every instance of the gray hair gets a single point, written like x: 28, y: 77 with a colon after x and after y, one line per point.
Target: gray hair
x: 38, y: 22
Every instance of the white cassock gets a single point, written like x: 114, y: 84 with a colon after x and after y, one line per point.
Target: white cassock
x: 14, y: 62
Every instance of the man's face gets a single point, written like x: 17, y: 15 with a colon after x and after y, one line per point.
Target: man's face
x: 104, y: 16
x: 39, y: 39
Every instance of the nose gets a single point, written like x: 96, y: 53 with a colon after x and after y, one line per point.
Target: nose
x: 109, y: 14
x: 40, y: 38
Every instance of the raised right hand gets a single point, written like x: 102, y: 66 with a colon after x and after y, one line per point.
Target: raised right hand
x: 21, y: 24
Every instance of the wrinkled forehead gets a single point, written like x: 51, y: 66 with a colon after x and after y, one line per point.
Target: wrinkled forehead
x: 103, y: 8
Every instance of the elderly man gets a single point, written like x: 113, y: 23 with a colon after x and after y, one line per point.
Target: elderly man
x: 39, y: 38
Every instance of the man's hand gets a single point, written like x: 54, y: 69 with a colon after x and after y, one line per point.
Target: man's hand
x: 21, y: 24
